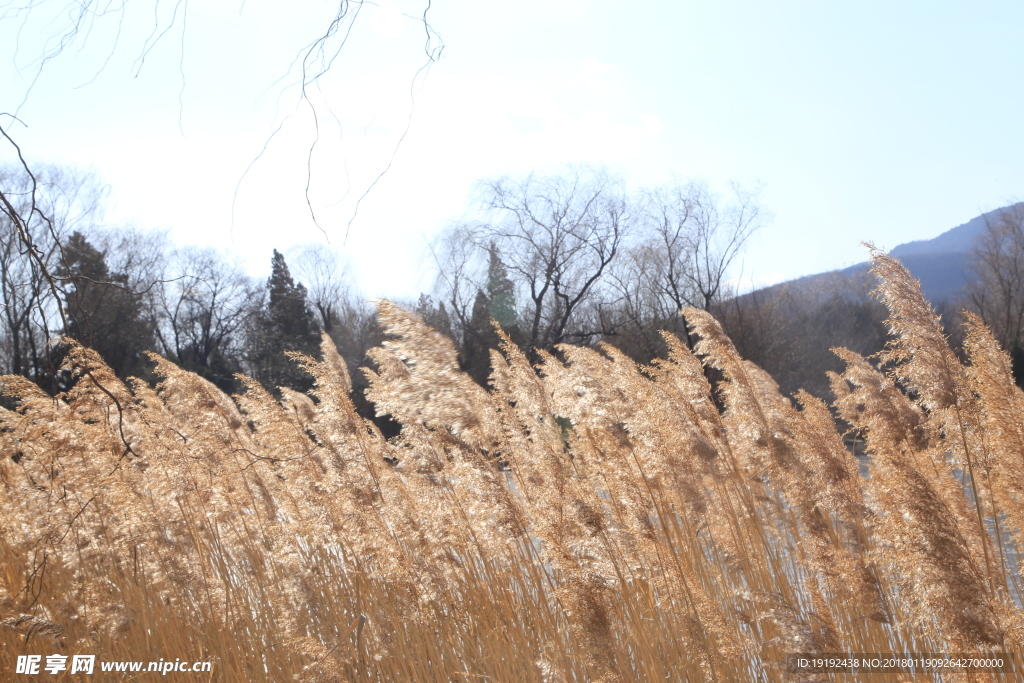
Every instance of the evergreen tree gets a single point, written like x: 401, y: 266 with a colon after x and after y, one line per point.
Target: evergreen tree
x: 496, y: 303
x: 436, y: 316
x: 286, y: 323
x: 477, y: 339
x: 501, y: 292
x: 102, y: 311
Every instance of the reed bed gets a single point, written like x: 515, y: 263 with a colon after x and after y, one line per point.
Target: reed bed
x: 584, y: 519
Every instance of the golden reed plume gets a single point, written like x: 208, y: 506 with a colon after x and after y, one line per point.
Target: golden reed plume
x: 582, y: 519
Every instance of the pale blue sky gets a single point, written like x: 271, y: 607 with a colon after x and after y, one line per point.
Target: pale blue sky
x: 859, y: 121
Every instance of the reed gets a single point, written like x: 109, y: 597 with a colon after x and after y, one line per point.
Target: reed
x: 583, y: 519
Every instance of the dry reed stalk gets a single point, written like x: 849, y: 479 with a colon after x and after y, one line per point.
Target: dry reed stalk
x: 451, y: 432
x: 776, y: 457
x: 923, y: 362
x: 921, y: 537
x: 630, y: 482
x: 585, y: 520
x: 1001, y: 406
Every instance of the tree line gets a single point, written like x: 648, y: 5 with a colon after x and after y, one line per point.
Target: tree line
x: 574, y: 258
x: 124, y: 292
x: 570, y: 258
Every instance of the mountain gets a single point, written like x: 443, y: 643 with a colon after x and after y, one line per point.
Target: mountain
x: 942, y: 264
x: 959, y: 240
x: 944, y: 275
x: 790, y: 328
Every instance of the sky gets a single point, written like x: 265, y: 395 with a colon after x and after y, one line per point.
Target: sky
x: 869, y: 121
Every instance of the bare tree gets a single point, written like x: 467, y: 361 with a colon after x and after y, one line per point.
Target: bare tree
x: 36, y: 212
x: 327, y: 280
x: 686, y: 243
x: 556, y: 238
x: 575, y: 259
x: 997, y: 293
x: 142, y: 256
x: 343, y: 314
x: 694, y: 240
x: 203, y: 308
x: 458, y: 258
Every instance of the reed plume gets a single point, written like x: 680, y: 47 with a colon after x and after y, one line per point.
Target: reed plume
x: 584, y: 518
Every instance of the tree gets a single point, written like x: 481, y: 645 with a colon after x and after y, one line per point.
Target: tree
x: 204, y: 306
x: 680, y: 253
x: 340, y: 311
x: 434, y: 314
x: 328, y: 284
x: 457, y: 256
x: 997, y: 293
x: 38, y: 211
x: 494, y: 302
x: 545, y: 250
x: 285, y: 324
x: 104, y: 311
x: 559, y: 237
x: 501, y: 291
x: 477, y: 339
x: 347, y: 319
x: 691, y: 241
x: 573, y: 258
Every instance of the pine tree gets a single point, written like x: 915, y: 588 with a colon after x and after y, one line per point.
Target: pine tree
x: 501, y: 292
x: 286, y: 323
x: 102, y: 311
x: 477, y: 338
x: 496, y: 302
x: 434, y: 315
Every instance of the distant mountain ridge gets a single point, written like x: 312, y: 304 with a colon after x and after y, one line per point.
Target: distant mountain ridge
x: 958, y: 240
x: 790, y: 329
x: 942, y: 264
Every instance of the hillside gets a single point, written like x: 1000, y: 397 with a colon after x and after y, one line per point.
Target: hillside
x: 942, y: 263
x: 790, y: 328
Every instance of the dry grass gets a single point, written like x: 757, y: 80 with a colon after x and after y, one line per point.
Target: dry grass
x: 657, y: 538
